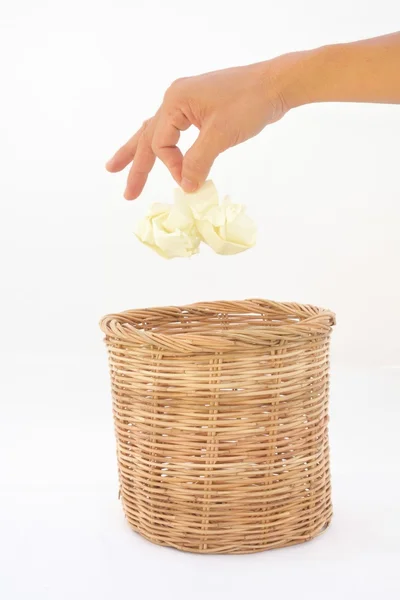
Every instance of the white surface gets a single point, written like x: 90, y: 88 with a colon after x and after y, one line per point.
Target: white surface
x: 63, y: 534
x: 77, y: 79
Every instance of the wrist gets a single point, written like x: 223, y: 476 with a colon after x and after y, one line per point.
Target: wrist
x: 299, y: 76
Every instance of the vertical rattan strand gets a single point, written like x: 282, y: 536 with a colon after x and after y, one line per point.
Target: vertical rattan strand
x: 325, y: 451
x: 157, y: 358
x: 313, y: 483
x: 313, y: 435
x: 327, y: 470
x: 212, y: 447
x: 273, y: 427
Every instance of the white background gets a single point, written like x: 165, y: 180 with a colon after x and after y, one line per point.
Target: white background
x: 77, y: 79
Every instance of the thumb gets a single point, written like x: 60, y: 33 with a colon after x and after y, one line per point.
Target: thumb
x: 199, y: 159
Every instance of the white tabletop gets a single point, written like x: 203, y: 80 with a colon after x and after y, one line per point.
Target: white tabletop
x: 63, y: 534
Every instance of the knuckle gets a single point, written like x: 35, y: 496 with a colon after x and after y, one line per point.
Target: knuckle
x: 180, y: 80
x: 174, y: 89
x: 176, y: 117
x: 172, y: 113
x: 177, y: 84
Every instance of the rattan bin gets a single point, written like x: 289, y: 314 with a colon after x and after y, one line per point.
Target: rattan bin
x: 221, y: 420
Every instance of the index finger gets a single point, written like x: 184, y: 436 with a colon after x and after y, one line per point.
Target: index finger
x: 165, y: 139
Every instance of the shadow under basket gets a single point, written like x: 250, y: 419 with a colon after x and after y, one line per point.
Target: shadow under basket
x: 221, y: 421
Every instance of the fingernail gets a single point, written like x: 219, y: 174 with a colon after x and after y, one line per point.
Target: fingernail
x: 188, y: 186
x: 109, y: 163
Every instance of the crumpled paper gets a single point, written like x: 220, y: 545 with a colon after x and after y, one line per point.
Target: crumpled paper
x: 169, y: 232
x: 176, y: 230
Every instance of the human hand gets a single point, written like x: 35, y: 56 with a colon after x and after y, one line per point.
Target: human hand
x: 228, y: 107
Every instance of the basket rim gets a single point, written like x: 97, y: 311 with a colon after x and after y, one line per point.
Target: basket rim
x: 308, y: 320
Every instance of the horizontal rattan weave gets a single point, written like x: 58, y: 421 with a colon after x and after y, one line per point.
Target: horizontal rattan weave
x: 221, y: 420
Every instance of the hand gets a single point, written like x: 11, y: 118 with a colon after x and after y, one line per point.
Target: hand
x: 228, y: 107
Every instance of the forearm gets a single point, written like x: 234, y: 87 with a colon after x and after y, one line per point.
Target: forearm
x: 364, y: 71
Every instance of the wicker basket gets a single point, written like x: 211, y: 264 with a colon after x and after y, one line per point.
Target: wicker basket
x: 221, y: 419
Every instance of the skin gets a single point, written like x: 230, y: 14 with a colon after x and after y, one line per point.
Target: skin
x: 233, y: 105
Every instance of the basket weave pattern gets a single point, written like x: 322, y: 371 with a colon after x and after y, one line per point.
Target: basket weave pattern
x: 221, y: 420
